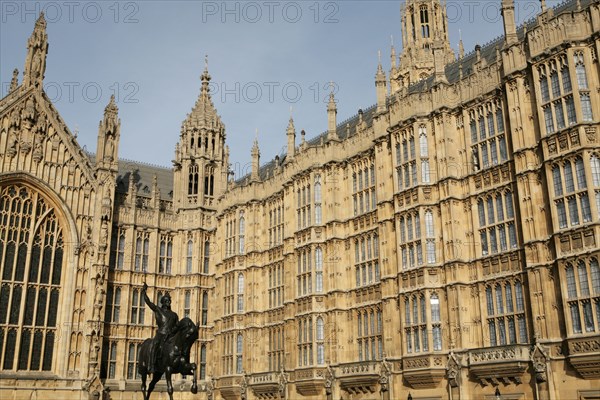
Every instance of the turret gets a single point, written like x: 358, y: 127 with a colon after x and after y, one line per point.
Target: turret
x: 200, y: 155
x: 423, y: 22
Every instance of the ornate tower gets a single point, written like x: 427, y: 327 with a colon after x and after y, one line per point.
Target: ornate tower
x: 424, y: 27
x: 200, y: 156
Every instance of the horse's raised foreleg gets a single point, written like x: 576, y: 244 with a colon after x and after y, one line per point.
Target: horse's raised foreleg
x: 194, y: 388
x: 168, y: 376
x: 153, y: 382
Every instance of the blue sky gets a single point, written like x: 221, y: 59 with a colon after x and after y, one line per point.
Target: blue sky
x: 264, y: 57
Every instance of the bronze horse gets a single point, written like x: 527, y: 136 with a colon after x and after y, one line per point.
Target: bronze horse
x: 174, y: 358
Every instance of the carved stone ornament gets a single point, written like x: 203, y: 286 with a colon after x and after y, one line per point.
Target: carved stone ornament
x: 384, y: 374
x: 539, y: 359
x: 453, y: 370
x: 329, y: 378
x: 283, y: 380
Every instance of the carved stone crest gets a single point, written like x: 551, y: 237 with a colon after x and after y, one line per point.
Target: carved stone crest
x: 453, y: 370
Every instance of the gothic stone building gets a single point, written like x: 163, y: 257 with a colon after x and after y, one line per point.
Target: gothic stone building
x: 442, y: 244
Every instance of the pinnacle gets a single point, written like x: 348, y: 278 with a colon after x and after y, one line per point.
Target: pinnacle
x: 204, y: 112
x: 111, y: 107
x: 41, y: 20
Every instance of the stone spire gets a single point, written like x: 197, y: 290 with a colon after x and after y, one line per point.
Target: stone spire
x: 37, y: 49
x: 381, y: 86
x: 155, y: 192
x: 393, y: 55
x: 461, y: 47
x: 394, y: 68
x: 108, y: 136
x: 14, y: 82
x: 332, y: 117
x: 255, y: 159
x: 131, y: 189
x: 508, y: 17
x: 439, y: 62
x: 204, y: 114
x: 291, y: 139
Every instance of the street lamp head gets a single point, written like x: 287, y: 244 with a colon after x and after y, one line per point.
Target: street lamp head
x: 409, y: 396
x: 498, y: 395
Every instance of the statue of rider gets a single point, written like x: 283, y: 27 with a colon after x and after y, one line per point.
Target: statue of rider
x: 167, y: 323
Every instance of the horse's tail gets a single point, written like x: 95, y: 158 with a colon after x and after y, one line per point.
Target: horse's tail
x: 144, y: 357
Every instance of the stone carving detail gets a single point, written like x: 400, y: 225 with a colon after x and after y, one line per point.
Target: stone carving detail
x: 539, y: 360
x: 283, y: 380
x: 210, y: 388
x: 584, y: 346
x: 417, y: 363
x: 244, y: 387
x: 329, y: 380
x: 494, y: 355
x: 590, y: 133
x: 453, y: 369
x: 384, y: 374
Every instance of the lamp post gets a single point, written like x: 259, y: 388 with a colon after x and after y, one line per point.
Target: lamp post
x: 409, y: 396
x: 497, y: 394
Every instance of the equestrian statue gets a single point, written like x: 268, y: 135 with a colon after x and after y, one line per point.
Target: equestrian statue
x: 168, y: 352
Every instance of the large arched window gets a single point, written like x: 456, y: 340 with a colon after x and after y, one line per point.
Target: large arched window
x: 31, y: 258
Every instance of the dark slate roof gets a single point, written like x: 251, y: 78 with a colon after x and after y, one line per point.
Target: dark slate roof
x: 143, y: 174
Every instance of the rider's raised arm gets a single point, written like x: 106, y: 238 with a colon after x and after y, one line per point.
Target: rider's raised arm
x: 152, y: 306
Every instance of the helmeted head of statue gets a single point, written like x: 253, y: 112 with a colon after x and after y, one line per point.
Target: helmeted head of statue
x: 165, y: 301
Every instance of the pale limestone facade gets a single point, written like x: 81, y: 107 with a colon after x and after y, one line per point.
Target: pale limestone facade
x: 442, y: 244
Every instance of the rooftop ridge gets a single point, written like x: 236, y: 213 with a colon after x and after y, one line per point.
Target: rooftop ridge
x: 145, y: 163
x: 92, y: 156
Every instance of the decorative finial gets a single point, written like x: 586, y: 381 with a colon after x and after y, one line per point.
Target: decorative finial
x: 15, y: 80
x: 206, y: 62
x: 379, y: 56
x: 291, y: 112
x: 392, y: 37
